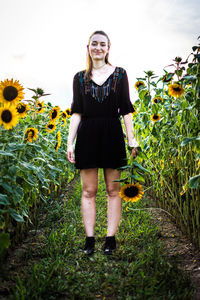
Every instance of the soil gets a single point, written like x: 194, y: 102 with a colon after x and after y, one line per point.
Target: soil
x: 179, y: 246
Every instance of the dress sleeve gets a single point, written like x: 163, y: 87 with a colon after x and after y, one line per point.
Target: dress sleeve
x: 77, y: 105
x: 125, y: 104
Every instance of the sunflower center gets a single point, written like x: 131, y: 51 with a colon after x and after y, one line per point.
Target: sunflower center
x: 31, y: 133
x: 21, y: 109
x: 131, y: 191
x: 177, y: 89
x: 155, y: 117
x: 50, y: 126
x: 39, y: 106
x: 6, y: 116
x: 54, y: 114
x: 10, y: 93
x: 64, y: 115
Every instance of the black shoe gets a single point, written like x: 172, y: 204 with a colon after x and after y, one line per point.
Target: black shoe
x: 110, y: 245
x: 89, y: 245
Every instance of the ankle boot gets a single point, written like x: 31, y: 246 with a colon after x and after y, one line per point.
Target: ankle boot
x: 89, y: 245
x: 110, y: 245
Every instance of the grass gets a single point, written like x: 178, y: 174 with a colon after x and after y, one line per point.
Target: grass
x: 58, y: 269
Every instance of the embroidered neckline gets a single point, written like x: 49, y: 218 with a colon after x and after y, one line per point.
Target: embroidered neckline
x: 100, y: 92
x: 105, y: 80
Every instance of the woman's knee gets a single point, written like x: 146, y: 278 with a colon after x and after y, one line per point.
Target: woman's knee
x: 113, y: 191
x: 89, y: 192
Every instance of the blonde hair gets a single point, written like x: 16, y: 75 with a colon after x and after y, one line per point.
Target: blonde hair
x: 88, y: 73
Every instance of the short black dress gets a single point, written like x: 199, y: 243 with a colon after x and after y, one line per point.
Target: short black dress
x: 100, y: 139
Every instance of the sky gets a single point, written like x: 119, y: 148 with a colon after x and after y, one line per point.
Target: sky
x: 43, y: 42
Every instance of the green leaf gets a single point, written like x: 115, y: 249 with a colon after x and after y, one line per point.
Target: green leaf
x: 135, y: 163
x: 4, y: 200
x: 4, y: 241
x: 194, y: 181
x: 188, y: 140
x: 7, y: 186
x: 120, y: 180
x: 6, y: 153
x: 18, y: 194
x: 28, y: 166
x: 54, y: 168
x: 15, y: 146
x: 138, y: 178
x: 16, y: 216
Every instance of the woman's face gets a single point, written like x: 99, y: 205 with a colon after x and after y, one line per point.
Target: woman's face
x: 98, y: 47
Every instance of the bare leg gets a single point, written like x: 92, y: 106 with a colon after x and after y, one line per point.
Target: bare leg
x: 114, y: 200
x: 89, y: 178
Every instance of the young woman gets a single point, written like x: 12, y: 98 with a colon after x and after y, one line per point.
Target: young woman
x: 100, y: 96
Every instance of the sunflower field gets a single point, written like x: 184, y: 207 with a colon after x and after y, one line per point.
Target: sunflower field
x: 167, y: 126
x: 32, y: 156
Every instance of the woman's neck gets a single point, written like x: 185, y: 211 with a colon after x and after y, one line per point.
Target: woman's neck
x: 98, y: 64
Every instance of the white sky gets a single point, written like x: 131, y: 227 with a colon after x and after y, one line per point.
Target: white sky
x: 43, y: 42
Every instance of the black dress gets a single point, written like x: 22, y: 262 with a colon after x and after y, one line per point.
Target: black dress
x: 100, y: 140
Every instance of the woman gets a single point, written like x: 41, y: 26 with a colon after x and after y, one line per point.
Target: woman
x: 100, y: 96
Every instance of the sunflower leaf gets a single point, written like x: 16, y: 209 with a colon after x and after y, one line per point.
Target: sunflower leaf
x: 135, y: 163
x: 120, y: 180
x: 6, y: 153
x: 33, y: 90
x: 18, y: 194
x: 138, y: 178
x: 194, y: 181
x: 28, y: 166
x: 15, y: 215
x: 4, y: 199
x: 188, y: 140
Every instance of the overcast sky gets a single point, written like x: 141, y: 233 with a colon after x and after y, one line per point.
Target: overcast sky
x: 43, y: 42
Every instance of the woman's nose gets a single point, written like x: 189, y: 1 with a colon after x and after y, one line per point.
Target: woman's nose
x: 98, y: 46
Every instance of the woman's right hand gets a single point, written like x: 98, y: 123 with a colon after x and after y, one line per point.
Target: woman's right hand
x: 70, y: 154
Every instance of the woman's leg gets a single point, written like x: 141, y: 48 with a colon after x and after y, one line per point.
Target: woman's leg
x: 89, y: 178
x: 114, y: 200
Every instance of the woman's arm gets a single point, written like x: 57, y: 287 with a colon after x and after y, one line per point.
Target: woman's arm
x: 128, y: 121
x: 73, y: 127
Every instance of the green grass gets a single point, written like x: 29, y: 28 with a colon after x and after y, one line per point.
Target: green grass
x: 138, y: 269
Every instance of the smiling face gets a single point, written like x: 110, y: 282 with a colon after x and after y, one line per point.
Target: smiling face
x: 98, y: 47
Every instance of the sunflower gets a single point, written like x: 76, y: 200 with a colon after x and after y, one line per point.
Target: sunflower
x: 131, y: 192
x: 157, y: 99
x: 58, y: 138
x: 22, y: 109
x: 138, y: 84
x: 31, y: 133
x: 8, y: 116
x: 170, y: 77
x: 175, y: 90
x: 155, y: 117
x: 64, y: 115
x: 51, y: 127
x: 134, y: 111
x: 40, y: 107
x: 11, y: 91
x: 68, y: 112
x: 54, y: 113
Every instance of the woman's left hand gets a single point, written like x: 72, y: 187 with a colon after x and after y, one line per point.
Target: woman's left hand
x: 134, y: 152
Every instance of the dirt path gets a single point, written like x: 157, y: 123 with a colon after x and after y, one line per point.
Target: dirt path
x: 179, y: 246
